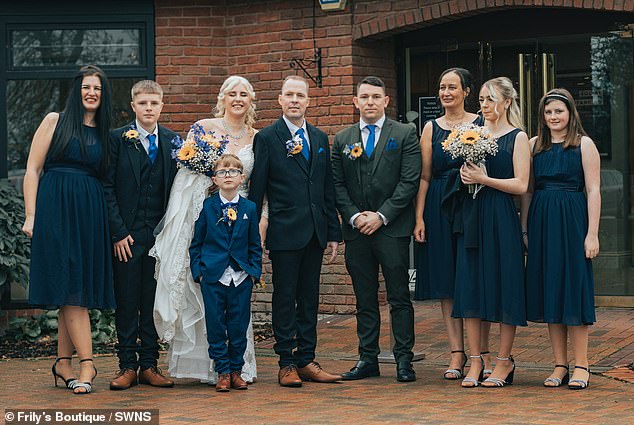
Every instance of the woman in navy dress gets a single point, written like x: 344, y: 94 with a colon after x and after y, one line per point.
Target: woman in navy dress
x: 562, y: 233
x: 490, y: 283
x: 436, y: 254
x: 66, y: 217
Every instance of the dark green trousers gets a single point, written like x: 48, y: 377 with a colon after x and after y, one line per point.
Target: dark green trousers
x: 364, y: 255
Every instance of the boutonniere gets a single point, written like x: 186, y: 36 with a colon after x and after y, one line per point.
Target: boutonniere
x: 229, y: 215
x: 391, y: 145
x: 131, y: 137
x: 353, y: 151
x: 294, y: 146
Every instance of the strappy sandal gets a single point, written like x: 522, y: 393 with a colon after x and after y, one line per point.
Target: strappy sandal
x: 457, y: 373
x: 582, y: 384
x: 87, y: 386
x: 557, y: 382
x: 486, y: 372
x: 70, y: 382
x: 469, y: 380
x: 497, y: 382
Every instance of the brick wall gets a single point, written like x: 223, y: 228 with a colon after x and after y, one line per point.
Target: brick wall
x: 200, y: 42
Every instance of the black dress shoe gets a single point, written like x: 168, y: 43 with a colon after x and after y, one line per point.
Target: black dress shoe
x: 405, y: 372
x: 361, y: 370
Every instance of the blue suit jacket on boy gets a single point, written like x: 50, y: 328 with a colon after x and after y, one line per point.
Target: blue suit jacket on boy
x: 213, y: 245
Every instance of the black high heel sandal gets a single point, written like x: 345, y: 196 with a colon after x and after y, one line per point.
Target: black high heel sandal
x: 582, y: 384
x: 87, y: 386
x: 457, y: 373
x: 69, y: 382
x: 497, y: 382
x: 474, y: 382
x: 557, y: 382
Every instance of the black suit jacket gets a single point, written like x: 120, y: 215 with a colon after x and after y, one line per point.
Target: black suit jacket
x: 300, y: 194
x: 123, y: 181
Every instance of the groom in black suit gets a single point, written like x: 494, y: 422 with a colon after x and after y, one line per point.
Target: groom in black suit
x: 292, y: 169
x: 137, y: 189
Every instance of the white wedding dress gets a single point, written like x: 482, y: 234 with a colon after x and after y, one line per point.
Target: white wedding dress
x: 179, y: 310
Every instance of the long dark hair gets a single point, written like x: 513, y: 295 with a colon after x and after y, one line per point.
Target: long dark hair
x: 574, y: 128
x: 71, y: 119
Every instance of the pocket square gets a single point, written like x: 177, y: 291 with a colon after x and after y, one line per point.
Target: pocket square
x: 245, y: 216
x: 321, y: 150
x: 391, y: 145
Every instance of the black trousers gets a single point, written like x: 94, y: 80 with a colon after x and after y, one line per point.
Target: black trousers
x: 135, y: 287
x: 364, y: 255
x: 296, y: 302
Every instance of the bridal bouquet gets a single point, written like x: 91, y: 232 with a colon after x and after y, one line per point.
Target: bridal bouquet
x: 199, y: 151
x: 471, y: 143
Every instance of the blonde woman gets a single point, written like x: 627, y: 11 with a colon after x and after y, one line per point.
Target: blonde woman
x: 179, y: 313
x: 490, y: 285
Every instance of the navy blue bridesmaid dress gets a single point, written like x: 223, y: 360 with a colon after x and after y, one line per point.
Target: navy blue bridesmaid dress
x: 559, y: 279
x: 71, y: 260
x: 490, y: 276
x: 436, y: 258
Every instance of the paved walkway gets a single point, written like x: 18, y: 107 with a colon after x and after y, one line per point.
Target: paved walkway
x: 429, y: 400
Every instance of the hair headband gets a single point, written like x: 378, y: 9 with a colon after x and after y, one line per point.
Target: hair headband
x: 557, y: 96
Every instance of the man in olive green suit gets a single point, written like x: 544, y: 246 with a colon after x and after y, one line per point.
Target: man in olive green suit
x: 376, y: 170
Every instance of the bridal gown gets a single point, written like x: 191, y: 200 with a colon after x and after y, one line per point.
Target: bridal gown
x: 179, y: 313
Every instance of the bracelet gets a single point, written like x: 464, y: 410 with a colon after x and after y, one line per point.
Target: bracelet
x: 524, y: 233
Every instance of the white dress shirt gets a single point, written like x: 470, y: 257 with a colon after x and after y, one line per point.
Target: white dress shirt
x: 230, y: 275
x: 143, y: 135
x: 293, y: 129
x: 365, y: 133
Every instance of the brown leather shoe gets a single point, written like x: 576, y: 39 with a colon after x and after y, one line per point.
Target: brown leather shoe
x: 154, y: 376
x: 313, y: 372
x: 288, y: 377
x: 125, y: 379
x: 237, y: 383
x: 224, y: 383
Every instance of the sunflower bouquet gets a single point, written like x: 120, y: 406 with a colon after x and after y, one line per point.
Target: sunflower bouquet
x: 199, y: 151
x: 471, y: 143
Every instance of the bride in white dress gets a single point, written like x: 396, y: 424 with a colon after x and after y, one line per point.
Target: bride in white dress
x: 179, y: 313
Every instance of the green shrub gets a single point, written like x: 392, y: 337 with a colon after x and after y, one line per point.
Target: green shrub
x: 15, y: 246
x: 41, y: 325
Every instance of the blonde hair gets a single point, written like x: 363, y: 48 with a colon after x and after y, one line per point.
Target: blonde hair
x: 146, y: 87
x: 228, y: 160
x: 230, y: 83
x: 502, y: 88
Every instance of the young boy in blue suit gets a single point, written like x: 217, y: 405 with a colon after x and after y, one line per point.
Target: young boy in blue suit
x: 226, y: 260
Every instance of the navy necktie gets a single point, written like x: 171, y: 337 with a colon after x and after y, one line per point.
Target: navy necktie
x: 152, y: 150
x: 369, y: 144
x: 305, y: 147
x: 224, y: 205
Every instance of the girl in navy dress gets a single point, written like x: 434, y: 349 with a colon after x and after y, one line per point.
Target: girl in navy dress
x: 490, y: 276
x: 561, y: 232
x: 436, y: 256
x: 67, y: 219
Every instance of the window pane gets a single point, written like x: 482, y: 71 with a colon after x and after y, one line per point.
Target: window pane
x: 43, y: 48
x: 28, y: 101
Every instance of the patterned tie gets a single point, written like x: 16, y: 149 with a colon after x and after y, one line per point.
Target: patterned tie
x: 305, y: 147
x: 369, y: 144
x: 152, y: 150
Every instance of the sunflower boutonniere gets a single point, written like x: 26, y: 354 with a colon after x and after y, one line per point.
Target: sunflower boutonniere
x: 229, y: 215
x: 131, y: 137
x: 294, y: 146
x: 353, y: 151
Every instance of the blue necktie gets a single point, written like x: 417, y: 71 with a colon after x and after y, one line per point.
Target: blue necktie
x: 369, y: 144
x: 305, y: 147
x: 224, y: 205
x: 152, y: 150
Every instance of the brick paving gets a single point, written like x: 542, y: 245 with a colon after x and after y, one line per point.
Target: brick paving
x: 429, y: 400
